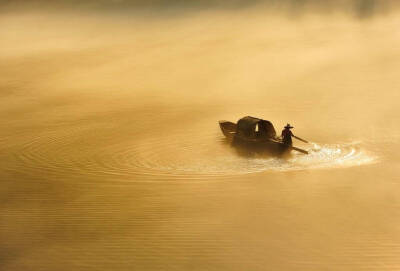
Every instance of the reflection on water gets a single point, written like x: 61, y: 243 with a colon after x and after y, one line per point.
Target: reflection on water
x: 111, y: 157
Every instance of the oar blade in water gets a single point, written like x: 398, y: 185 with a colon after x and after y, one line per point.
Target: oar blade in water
x: 299, y: 150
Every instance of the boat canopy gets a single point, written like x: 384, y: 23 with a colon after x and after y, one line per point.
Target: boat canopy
x: 251, y: 127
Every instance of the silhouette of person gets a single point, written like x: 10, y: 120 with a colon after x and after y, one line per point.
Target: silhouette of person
x: 287, y: 135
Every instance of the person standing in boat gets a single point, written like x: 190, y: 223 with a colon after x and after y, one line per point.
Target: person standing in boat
x: 287, y: 135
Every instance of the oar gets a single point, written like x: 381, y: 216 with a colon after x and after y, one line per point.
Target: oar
x: 305, y: 141
x: 299, y: 150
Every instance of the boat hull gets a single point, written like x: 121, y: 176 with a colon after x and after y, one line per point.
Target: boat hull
x: 260, y: 146
x: 228, y: 129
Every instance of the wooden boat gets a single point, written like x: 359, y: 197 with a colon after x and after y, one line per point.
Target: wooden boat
x: 255, y: 134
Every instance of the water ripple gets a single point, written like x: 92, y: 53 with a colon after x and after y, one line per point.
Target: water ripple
x: 180, y: 155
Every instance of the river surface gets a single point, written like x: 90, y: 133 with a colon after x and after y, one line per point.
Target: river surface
x: 111, y: 157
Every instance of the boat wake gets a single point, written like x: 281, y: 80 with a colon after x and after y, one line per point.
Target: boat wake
x: 199, y: 160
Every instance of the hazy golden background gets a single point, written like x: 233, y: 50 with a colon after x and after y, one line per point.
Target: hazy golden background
x: 111, y: 157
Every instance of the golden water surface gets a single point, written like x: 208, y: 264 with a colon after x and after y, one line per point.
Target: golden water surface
x: 111, y: 157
